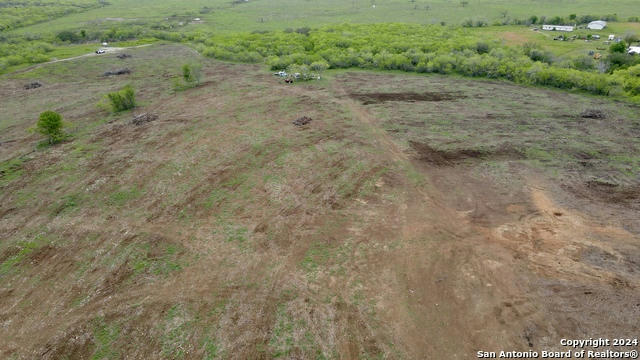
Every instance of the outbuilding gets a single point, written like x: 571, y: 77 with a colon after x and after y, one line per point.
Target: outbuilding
x: 557, y: 27
x: 597, y: 25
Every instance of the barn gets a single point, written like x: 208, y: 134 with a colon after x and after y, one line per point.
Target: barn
x: 597, y: 25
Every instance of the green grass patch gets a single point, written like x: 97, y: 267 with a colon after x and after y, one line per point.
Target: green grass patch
x: 9, y: 265
x: 122, y: 197
x: 104, y: 335
x: 160, y: 261
x: 177, y: 332
x: 282, y: 340
x: 318, y: 254
x: 10, y: 170
x: 66, y: 204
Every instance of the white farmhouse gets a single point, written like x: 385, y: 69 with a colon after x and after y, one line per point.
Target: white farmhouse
x: 597, y: 25
x: 557, y: 27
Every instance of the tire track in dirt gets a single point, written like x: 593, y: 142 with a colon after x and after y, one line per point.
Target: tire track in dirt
x: 444, y: 286
x: 112, y: 50
x: 501, y: 283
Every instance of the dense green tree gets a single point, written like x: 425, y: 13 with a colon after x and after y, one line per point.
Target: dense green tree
x: 50, y: 124
x: 618, y: 47
x: 122, y: 100
x: 67, y: 35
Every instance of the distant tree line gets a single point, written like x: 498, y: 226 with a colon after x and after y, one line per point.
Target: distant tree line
x: 539, y: 20
x: 424, y: 49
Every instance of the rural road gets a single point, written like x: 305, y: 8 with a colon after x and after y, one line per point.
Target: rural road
x: 110, y: 50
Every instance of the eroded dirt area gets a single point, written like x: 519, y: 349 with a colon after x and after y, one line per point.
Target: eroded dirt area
x: 533, y: 261
x: 376, y: 98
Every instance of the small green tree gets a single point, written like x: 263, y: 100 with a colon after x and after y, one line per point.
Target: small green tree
x: 67, y: 35
x: 619, y: 47
x: 186, y: 73
x: 122, y: 100
x: 50, y: 124
x: 191, y: 74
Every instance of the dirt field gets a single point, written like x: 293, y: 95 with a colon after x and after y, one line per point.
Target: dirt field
x: 412, y: 218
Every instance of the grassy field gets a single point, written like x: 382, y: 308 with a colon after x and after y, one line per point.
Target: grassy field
x: 222, y: 230
x: 224, y: 16
x: 519, y: 35
x: 16, y: 14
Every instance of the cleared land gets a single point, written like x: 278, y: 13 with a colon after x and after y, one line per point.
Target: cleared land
x: 414, y: 216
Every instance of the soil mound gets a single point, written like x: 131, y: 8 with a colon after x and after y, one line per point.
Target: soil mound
x: 451, y: 157
x: 144, y: 118
x: 123, y: 56
x: 33, y: 85
x: 593, y: 114
x: 302, y: 121
x: 117, y: 72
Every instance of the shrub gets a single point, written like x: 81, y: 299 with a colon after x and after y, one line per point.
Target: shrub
x: 278, y: 63
x: 423, y: 49
x: 192, y: 74
x: 618, y: 60
x: 122, y: 100
x: 319, y: 66
x: 619, y: 47
x: 50, y: 124
x: 556, y: 20
x: 482, y: 48
x: 303, y: 30
x: 69, y: 36
x: 540, y: 55
x: 630, y: 79
x: 630, y: 38
x: 584, y: 63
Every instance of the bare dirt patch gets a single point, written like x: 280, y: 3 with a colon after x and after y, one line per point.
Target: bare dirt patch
x: 607, y: 192
x: 433, y: 156
x: 377, y: 98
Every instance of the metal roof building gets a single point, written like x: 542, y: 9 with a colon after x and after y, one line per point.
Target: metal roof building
x: 557, y: 27
x: 597, y: 25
